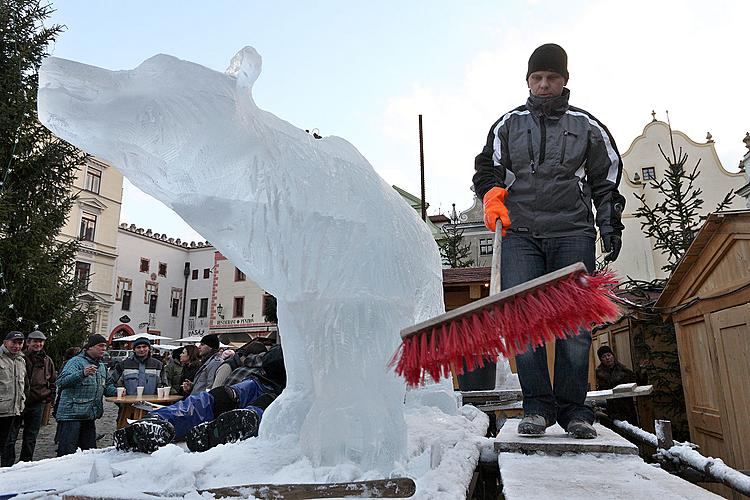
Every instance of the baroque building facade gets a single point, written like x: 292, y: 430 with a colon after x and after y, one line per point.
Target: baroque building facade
x: 93, y: 221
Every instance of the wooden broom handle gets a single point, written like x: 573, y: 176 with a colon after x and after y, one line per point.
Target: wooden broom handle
x: 497, y: 249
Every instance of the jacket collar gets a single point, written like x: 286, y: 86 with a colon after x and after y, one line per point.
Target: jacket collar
x: 10, y: 354
x: 549, y: 107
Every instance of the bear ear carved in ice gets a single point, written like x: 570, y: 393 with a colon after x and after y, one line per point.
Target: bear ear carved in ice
x: 245, y: 66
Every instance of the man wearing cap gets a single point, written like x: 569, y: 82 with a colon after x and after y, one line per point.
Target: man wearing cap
x: 40, y: 370
x: 12, y: 386
x: 141, y: 370
x: 210, y: 361
x: 542, y: 167
x: 611, y: 373
x: 83, y: 383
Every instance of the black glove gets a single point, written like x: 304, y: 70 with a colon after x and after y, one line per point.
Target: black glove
x: 612, y: 245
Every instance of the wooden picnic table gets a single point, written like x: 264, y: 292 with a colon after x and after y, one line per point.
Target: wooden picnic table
x: 129, y: 411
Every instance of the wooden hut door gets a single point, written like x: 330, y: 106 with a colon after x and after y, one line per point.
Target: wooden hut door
x: 731, y: 329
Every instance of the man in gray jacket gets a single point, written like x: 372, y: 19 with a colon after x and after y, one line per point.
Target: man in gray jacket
x: 551, y: 161
x: 211, y: 360
x: 12, y: 386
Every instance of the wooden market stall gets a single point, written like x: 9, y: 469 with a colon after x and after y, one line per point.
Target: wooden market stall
x: 708, y: 298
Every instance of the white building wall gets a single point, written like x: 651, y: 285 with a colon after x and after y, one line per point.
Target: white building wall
x: 199, y: 288
x: 136, y: 245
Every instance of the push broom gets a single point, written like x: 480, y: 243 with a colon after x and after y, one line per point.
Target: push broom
x: 506, y: 322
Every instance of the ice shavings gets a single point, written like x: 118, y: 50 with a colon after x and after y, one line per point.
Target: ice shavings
x: 173, y: 469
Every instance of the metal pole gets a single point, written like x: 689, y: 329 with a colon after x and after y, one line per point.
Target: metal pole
x: 421, y: 169
x: 186, y: 272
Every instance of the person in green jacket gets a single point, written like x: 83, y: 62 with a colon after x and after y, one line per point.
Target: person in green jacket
x: 83, y: 382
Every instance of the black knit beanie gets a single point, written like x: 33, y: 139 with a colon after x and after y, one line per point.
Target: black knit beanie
x: 211, y: 341
x: 549, y: 57
x: 95, y: 339
x: 603, y: 350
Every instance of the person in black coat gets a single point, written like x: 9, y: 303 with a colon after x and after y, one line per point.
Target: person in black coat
x: 190, y: 361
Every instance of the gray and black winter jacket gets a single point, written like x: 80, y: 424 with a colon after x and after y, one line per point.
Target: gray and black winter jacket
x: 554, y: 160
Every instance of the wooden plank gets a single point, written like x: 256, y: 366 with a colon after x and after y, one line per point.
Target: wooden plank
x: 522, y: 289
x: 510, y: 395
x: 401, y: 487
x: 556, y: 441
x: 542, y: 477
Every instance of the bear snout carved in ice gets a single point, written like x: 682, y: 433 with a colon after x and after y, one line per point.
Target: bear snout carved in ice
x: 307, y: 219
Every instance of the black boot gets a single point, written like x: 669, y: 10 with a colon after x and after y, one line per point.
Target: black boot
x: 145, y: 435
x: 234, y: 425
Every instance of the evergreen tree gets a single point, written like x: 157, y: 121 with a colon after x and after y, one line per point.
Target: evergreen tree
x: 37, y: 287
x: 673, y: 223
x: 452, y: 249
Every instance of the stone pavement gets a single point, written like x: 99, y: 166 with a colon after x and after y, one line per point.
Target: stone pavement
x: 46, y: 447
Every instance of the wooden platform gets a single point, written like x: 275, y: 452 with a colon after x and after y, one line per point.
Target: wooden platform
x: 544, y: 477
x: 512, y: 399
x: 556, y: 441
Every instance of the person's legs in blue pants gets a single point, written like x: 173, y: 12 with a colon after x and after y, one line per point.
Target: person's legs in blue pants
x: 32, y: 421
x: 572, y: 353
x: 523, y: 259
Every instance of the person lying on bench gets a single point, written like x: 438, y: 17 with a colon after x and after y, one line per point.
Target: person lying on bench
x: 221, y: 415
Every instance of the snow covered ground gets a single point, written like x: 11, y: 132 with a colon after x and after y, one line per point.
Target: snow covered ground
x: 451, y: 442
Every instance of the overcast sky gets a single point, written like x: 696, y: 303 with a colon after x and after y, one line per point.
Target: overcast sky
x: 365, y: 70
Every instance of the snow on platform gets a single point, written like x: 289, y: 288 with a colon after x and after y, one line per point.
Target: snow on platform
x: 443, y: 451
x: 545, y: 477
x: 557, y: 441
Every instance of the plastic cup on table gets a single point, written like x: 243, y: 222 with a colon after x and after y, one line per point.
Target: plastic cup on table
x: 139, y: 391
x: 120, y: 392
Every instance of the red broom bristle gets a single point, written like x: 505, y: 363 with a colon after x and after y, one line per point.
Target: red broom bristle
x: 557, y: 310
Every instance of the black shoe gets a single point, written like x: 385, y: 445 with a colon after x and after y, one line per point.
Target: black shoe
x: 231, y: 426
x: 581, y: 430
x: 533, y: 425
x: 146, y: 435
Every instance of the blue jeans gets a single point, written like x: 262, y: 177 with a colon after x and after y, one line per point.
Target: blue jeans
x: 199, y: 408
x: 32, y: 421
x: 525, y: 258
x: 74, y: 434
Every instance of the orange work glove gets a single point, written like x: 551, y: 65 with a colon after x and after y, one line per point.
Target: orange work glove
x: 494, y: 208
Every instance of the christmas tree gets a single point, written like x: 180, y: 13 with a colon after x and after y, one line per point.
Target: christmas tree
x: 37, y: 286
x: 452, y: 249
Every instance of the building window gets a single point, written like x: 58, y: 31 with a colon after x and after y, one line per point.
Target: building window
x: 152, y: 288
x: 88, y: 226
x: 122, y: 285
x: 206, y: 273
x: 649, y: 174
x: 152, y: 303
x: 93, y: 180
x: 485, y: 246
x: 239, y: 307
x: 126, y: 294
x: 193, y: 308
x: 204, y: 308
x: 162, y: 269
x: 195, y: 274
x: 238, y: 275
x: 144, y: 265
x: 82, y: 273
x: 175, y: 300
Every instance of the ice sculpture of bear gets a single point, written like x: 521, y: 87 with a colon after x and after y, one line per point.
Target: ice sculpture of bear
x: 308, y: 220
